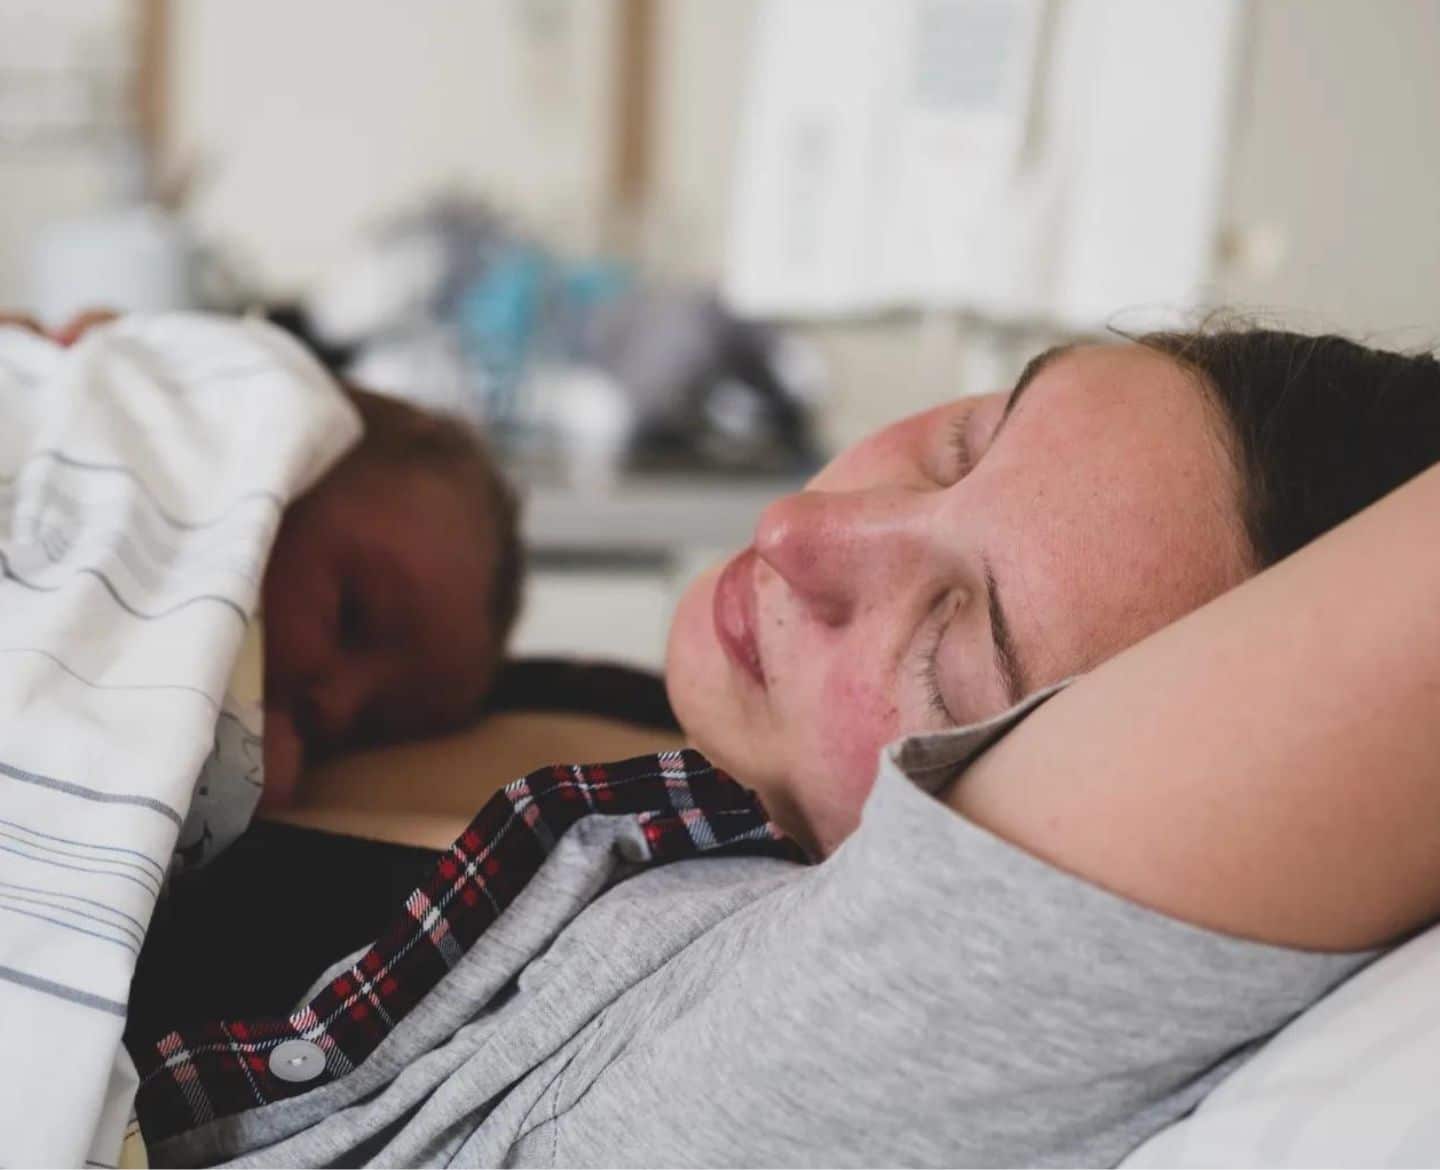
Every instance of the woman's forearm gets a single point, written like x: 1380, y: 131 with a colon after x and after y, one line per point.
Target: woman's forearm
x: 1268, y: 766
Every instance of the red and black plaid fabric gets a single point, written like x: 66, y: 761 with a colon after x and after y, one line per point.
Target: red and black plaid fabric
x: 685, y: 807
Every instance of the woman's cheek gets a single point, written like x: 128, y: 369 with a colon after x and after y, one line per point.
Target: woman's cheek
x: 856, y: 718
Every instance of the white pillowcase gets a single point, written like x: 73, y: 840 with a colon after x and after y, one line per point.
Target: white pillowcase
x: 1355, y: 1081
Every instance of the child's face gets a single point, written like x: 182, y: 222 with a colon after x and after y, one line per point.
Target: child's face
x: 376, y: 606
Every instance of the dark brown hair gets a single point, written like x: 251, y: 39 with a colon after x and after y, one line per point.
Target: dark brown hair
x: 403, y: 435
x: 1321, y: 426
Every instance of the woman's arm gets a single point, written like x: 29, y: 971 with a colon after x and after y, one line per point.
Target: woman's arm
x: 1268, y: 766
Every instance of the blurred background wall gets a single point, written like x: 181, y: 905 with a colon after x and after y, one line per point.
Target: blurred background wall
x: 1331, y: 186
x: 302, y: 124
x: 309, y: 122
x: 1330, y: 204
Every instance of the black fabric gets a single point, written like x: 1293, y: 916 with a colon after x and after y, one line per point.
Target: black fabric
x: 247, y: 934
x: 584, y: 688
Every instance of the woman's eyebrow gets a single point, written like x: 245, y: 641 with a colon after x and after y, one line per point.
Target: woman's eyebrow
x: 1007, y: 662
x: 1033, y: 368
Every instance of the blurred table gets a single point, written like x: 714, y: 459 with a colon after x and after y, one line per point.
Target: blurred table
x: 607, y: 565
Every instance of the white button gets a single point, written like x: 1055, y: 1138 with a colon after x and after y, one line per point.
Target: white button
x: 297, y: 1060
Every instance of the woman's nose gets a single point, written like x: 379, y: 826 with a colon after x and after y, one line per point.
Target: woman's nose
x: 839, y: 551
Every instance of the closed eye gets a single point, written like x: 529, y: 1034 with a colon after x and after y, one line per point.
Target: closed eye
x: 350, y: 616
x: 929, y: 674
x: 961, y: 453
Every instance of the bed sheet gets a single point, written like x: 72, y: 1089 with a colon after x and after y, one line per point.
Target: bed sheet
x: 143, y: 474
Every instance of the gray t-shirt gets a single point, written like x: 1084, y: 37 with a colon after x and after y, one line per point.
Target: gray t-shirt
x: 929, y: 995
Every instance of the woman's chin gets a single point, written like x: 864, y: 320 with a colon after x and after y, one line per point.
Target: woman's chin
x: 710, y: 699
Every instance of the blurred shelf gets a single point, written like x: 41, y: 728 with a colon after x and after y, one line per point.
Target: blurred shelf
x: 608, y: 565
x: 669, y: 516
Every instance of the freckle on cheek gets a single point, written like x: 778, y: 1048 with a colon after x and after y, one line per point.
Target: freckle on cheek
x: 859, y: 718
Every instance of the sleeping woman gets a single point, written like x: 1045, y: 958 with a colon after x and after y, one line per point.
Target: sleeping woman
x: 929, y: 902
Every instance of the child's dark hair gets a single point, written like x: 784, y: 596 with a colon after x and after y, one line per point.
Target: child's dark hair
x: 406, y: 436
x: 1321, y: 426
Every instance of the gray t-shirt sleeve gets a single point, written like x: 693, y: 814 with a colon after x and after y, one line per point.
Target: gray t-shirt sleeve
x: 930, y: 995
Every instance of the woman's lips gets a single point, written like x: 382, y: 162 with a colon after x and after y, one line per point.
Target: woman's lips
x: 734, y: 614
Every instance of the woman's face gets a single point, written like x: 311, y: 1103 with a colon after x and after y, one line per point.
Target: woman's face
x: 935, y: 572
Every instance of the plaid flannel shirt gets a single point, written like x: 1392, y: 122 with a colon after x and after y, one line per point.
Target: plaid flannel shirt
x: 684, y: 805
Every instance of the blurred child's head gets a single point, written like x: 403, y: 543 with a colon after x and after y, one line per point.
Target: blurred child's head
x: 390, y: 591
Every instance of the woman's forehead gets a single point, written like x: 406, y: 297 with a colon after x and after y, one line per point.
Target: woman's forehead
x: 1107, y: 504
x: 1095, y: 376
x: 1121, y: 419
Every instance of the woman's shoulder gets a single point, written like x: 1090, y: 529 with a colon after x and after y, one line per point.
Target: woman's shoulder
x: 912, y: 829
